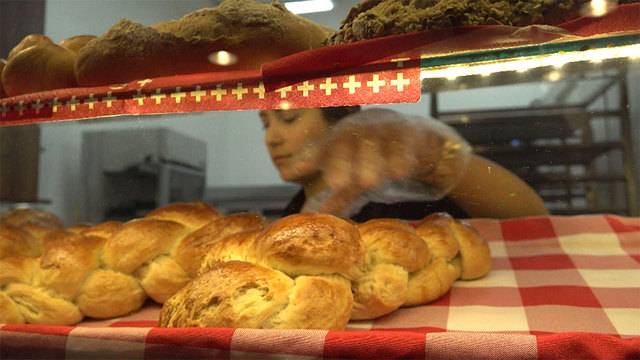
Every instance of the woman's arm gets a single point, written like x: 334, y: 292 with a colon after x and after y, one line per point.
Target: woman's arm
x: 486, y: 189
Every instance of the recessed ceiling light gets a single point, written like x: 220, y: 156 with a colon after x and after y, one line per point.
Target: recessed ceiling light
x: 309, y: 6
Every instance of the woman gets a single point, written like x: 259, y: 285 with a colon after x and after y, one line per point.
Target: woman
x: 340, y: 155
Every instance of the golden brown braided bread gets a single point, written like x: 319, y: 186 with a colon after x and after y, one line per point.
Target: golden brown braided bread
x: 59, y: 276
x: 388, y: 262
x: 311, y: 271
x: 298, y: 277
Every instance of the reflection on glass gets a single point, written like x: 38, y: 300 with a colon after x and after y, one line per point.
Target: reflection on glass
x: 223, y: 58
x: 598, y: 8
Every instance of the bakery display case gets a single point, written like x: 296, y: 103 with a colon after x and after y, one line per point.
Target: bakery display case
x: 142, y: 214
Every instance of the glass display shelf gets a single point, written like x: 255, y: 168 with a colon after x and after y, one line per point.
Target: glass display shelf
x: 397, y: 75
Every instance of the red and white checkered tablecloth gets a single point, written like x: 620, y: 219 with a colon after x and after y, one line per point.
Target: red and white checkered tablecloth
x: 560, y: 288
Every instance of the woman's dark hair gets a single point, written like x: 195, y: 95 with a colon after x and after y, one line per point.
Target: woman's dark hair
x: 335, y: 114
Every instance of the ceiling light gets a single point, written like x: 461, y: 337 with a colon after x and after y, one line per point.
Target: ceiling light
x: 223, y: 58
x: 309, y: 6
x: 598, y: 8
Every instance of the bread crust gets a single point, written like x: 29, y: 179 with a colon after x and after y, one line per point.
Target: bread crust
x: 232, y: 294
x: 239, y: 294
x: 75, y: 43
x: 376, y: 18
x: 41, y: 67
x: 312, y: 244
x: 192, y: 250
x: 393, y: 251
x: 140, y: 241
x: 435, y: 229
x: 255, y: 33
x: 193, y: 215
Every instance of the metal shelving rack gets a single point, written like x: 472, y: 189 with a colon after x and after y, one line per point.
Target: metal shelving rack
x: 547, y: 141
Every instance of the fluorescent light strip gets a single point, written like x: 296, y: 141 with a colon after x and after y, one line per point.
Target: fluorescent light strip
x: 309, y: 6
x: 523, y: 65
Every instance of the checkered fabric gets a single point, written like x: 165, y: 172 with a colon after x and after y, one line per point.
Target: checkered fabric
x: 560, y: 288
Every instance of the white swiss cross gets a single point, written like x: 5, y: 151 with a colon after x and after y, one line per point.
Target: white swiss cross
x: 400, y: 82
x: 37, y: 106
x: 73, y: 103
x: 259, y: 90
x: 283, y: 91
x: 305, y: 88
x: 328, y: 86
x: 144, y: 82
x: 376, y: 83
x: 90, y: 101
x: 55, y: 104
x: 20, y: 107
x: 109, y: 99
x: 198, y: 94
x: 139, y: 97
x: 158, y: 96
x: 240, y: 91
x: 178, y: 95
x: 352, y: 84
x: 219, y: 92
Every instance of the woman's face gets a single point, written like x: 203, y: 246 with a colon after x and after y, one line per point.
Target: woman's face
x: 287, y: 132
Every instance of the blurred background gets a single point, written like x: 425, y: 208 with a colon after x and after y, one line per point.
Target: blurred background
x: 572, y: 132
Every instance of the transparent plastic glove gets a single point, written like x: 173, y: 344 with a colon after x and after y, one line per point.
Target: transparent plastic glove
x: 384, y: 156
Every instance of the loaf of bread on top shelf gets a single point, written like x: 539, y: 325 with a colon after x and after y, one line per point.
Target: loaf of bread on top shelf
x: 252, y: 32
x: 38, y: 64
x: 376, y: 18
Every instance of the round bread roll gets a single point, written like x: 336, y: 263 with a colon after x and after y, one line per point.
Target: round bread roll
x: 27, y: 42
x: 75, y: 43
x: 238, y: 294
x: 254, y: 33
x: 41, y: 67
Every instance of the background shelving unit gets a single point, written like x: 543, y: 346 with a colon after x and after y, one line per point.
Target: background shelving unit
x: 573, y: 144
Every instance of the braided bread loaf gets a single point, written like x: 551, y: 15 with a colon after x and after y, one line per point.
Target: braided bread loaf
x: 59, y: 276
x: 293, y: 274
x: 302, y: 271
x: 386, y: 263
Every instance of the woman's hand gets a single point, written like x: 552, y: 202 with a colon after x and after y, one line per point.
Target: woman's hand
x: 371, y: 148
